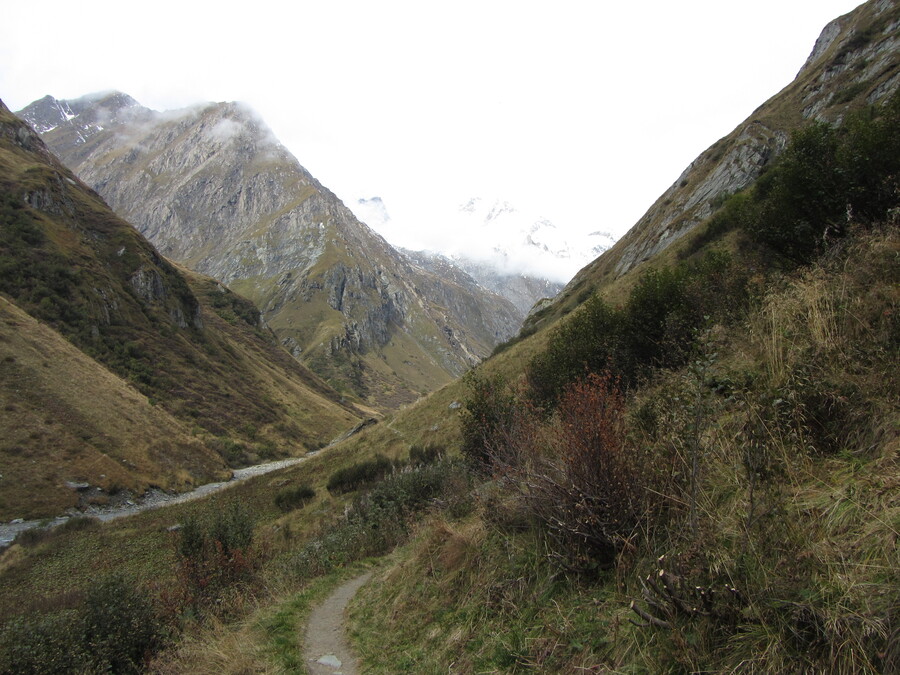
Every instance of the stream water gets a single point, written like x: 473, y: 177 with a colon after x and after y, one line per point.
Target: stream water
x: 152, y: 499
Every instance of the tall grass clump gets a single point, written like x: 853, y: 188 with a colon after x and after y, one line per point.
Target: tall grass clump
x: 360, y: 474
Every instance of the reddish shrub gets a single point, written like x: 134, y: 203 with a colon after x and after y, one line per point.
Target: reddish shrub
x: 580, y: 483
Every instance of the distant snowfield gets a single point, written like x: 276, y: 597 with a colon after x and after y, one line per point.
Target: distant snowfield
x: 512, y: 240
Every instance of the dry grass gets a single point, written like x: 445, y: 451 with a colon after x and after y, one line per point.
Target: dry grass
x: 800, y: 517
x: 218, y: 648
x: 66, y: 418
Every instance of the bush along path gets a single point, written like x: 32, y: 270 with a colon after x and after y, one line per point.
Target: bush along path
x: 326, y: 647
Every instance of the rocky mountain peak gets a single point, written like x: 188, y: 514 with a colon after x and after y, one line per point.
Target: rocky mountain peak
x: 213, y: 189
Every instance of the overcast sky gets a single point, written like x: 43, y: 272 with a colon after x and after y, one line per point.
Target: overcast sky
x: 581, y: 111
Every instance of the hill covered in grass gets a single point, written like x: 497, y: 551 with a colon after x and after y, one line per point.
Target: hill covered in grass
x: 119, y: 369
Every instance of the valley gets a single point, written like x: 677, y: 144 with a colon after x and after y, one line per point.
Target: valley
x: 252, y: 406
x: 213, y: 189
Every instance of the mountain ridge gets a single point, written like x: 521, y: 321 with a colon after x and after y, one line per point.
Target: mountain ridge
x: 853, y: 63
x: 188, y: 358
x: 213, y: 189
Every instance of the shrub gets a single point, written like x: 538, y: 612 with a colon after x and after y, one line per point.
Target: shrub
x: 232, y: 528
x: 292, y: 498
x: 827, y: 179
x: 42, y: 644
x: 120, y: 628
x: 803, y: 197
x: 114, y: 629
x: 214, y: 553
x: 656, y: 327
x: 590, y: 341
x: 585, y: 491
x: 359, y: 475
x: 487, y: 411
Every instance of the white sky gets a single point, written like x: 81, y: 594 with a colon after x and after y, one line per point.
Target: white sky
x: 581, y: 111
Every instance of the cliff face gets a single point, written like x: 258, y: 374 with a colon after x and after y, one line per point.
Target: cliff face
x: 214, y: 190
x: 854, y: 62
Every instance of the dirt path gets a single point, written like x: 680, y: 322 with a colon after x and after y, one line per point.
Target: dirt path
x: 326, y: 647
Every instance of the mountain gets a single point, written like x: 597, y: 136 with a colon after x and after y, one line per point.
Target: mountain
x: 117, y: 368
x: 518, y: 255
x: 212, y: 188
x: 517, y: 241
x: 854, y: 62
x: 521, y: 290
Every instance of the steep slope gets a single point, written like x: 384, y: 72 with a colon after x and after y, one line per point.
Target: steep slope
x: 68, y: 423
x: 855, y: 62
x: 213, y: 189
x: 214, y: 386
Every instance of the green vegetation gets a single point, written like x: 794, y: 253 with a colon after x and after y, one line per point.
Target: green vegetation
x: 654, y: 329
x: 359, y: 475
x: 214, y: 554
x: 295, y: 497
x: 380, y: 519
x: 735, y: 513
x: 113, y: 628
x: 39, y: 535
x: 488, y: 411
x: 37, y: 274
x: 827, y: 179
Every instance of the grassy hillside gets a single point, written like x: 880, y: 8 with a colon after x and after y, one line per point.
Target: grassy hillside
x: 66, y: 419
x: 747, y: 508
x: 194, y: 356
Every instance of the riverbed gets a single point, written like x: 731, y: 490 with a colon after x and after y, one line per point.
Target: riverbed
x: 152, y: 499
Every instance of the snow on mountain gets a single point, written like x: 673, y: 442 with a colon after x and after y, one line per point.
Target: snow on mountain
x: 494, y: 232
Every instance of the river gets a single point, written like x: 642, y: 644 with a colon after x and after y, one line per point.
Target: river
x: 152, y: 499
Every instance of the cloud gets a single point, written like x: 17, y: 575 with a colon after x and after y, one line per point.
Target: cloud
x: 224, y: 130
